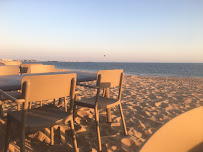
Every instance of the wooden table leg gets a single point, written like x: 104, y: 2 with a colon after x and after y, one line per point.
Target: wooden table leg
x: 108, y: 110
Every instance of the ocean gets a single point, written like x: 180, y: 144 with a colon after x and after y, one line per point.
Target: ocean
x: 137, y: 69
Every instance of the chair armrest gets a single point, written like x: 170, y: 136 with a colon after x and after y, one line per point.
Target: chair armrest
x: 11, y: 97
x: 102, y: 85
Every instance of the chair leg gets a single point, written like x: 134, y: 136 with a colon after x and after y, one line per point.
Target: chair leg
x: 51, y: 136
x: 22, y: 140
x: 73, y: 136
x: 65, y: 105
x: 123, y: 120
x: 18, y: 106
x: 97, y: 127
x: 108, y: 112
x: 1, y: 110
x: 30, y: 105
x: 40, y: 103
x: 60, y: 101
x: 74, y: 112
x: 7, y: 134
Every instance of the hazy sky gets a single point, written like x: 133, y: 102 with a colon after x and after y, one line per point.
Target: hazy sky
x: 86, y: 30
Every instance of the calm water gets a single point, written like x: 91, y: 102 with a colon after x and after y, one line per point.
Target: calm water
x: 141, y: 69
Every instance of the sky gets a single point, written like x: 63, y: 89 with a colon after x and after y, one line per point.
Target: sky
x: 102, y: 30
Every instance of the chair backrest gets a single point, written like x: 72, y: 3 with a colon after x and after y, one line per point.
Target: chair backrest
x: 12, y: 62
x: 41, y: 69
x: 112, y: 76
x: 115, y: 77
x: 25, y: 68
x: 45, y: 87
x: 181, y: 134
x: 9, y: 70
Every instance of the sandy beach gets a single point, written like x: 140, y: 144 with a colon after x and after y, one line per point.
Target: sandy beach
x: 154, y: 47
x: 148, y: 103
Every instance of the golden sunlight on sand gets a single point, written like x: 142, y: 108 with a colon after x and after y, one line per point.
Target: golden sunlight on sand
x: 148, y: 102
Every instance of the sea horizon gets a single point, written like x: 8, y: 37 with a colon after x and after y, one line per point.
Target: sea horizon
x: 103, y: 61
x: 135, y: 68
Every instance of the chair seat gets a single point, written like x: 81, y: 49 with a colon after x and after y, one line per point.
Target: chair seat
x: 103, y: 102
x: 14, y: 94
x: 42, y: 117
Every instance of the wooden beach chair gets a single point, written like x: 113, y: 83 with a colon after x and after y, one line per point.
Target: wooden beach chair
x: 25, y: 68
x: 105, y: 79
x: 183, y: 133
x: 38, y: 68
x: 4, y: 71
x: 9, y: 70
x: 36, y: 88
x: 17, y: 63
x: 41, y: 68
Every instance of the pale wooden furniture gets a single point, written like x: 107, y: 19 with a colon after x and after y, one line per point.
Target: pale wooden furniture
x: 13, y: 82
x: 6, y: 71
x: 183, y: 133
x: 17, y: 63
x: 37, y: 88
x: 41, y: 68
x: 9, y: 70
x: 25, y: 68
x: 105, y: 79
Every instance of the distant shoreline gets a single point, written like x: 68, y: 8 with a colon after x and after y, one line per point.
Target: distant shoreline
x: 117, y: 62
